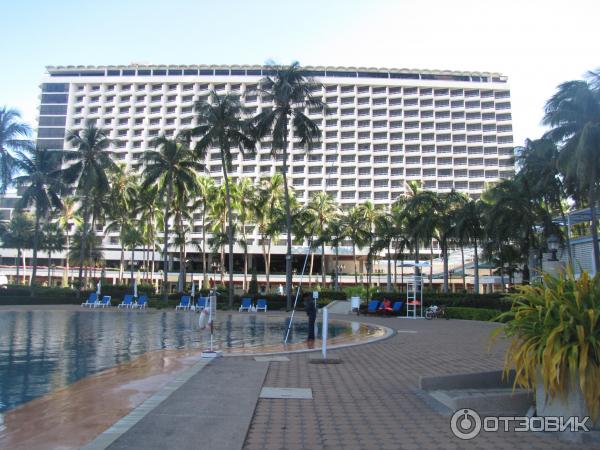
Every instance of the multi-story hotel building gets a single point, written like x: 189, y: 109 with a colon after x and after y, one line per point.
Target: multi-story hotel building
x: 383, y: 128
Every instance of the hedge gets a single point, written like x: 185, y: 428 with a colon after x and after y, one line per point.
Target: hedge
x: 483, y: 314
x: 496, y: 301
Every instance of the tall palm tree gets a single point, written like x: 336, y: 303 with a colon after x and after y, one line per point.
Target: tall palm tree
x: 205, y: 192
x: 369, y: 213
x: 539, y: 160
x: 220, y: 124
x: 354, y: 228
x: 573, y: 112
x: 52, y: 240
x: 245, y: 197
x: 132, y: 237
x: 291, y: 89
x: 123, y: 192
x: 68, y: 215
x: 87, y: 170
x: 323, y: 208
x: 14, y: 137
x: 335, y: 235
x: 39, y: 174
x: 149, y: 209
x: 269, y: 199
x: 385, y: 232
x: 402, y: 235
x: 470, y: 224
x: 19, y: 235
x: 172, y: 161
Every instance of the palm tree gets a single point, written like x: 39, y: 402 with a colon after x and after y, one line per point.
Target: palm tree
x: 39, y: 174
x: 291, y: 89
x: 421, y: 221
x: 205, y: 192
x: 385, y: 232
x: 335, y: 235
x: 92, y: 251
x: 19, y: 235
x: 14, y: 137
x: 539, y: 160
x: 401, y: 237
x: 120, y: 206
x: 132, y: 237
x: 369, y: 214
x: 52, y: 240
x: 354, y: 228
x: 88, y: 172
x: 323, y: 209
x: 173, y: 161
x: 573, y: 112
x: 470, y: 224
x: 269, y: 199
x: 149, y: 209
x: 66, y: 216
x: 245, y: 197
x: 220, y: 124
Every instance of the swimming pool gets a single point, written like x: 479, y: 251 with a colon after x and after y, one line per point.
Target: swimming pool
x: 41, y: 351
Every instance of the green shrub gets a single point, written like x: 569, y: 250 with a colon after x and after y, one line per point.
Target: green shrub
x: 332, y: 295
x: 483, y: 314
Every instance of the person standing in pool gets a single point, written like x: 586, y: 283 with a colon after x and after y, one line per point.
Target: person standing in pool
x: 311, y: 312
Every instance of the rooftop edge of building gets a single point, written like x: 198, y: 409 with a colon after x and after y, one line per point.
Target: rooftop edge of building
x: 342, y: 71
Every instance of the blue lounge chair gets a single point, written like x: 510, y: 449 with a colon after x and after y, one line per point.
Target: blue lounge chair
x: 246, y: 304
x: 201, y: 303
x: 261, y: 305
x: 141, y: 303
x: 184, y: 303
x: 397, y: 307
x: 127, y: 302
x: 104, y: 303
x: 91, y: 300
x: 372, y: 307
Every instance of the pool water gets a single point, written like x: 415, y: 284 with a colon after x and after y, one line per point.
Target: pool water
x: 41, y: 351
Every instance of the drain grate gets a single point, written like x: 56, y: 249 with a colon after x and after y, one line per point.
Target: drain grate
x: 325, y: 361
x: 294, y: 393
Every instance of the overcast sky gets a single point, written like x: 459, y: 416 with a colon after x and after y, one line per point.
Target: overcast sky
x: 536, y: 43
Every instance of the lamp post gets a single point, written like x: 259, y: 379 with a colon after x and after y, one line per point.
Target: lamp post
x: 215, y: 267
x: 553, y: 245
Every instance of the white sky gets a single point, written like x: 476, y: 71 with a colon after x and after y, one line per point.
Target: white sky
x: 537, y: 44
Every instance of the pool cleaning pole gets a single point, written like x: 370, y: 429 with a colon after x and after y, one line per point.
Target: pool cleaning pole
x: 287, y: 334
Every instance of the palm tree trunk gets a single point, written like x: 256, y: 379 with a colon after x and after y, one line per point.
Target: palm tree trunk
x: 430, y: 266
x: 152, y: 264
x: 132, y: 258
x: 354, y: 259
x: 121, y: 263
x: 445, y: 260
x: 389, y: 268
x: 24, y: 267
x: 264, y: 251
x: 229, y: 228
x: 36, y: 238
x: 204, y: 262
x: 49, y: 264
x: 67, y: 255
x: 337, y: 265
x: 288, y: 224
x: 592, y: 201
x: 166, y: 237
x: 82, y: 246
x: 464, y: 275
x: 312, y: 259
x: 18, y: 263
x: 323, y: 279
x: 476, y: 265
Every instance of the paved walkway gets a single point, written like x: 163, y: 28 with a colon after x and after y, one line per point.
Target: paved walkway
x: 369, y: 401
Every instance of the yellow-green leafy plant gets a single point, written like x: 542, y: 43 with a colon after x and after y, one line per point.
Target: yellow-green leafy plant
x: 554, y: 327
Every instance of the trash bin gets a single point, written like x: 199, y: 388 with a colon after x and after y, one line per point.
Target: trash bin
x: 355, y: 304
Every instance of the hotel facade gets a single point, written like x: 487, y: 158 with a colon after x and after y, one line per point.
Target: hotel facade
x: 382, y: 128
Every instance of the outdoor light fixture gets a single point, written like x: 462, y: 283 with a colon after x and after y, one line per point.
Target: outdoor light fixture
x: 553, y: 245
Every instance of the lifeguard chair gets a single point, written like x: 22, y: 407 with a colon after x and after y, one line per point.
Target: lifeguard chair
x: 414, y: 297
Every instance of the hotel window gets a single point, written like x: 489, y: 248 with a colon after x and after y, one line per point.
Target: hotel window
x: 314, y: 170
x: 379, y: 90
x: 348, y: 170
x: 363, y: 101
x: 348, y: 123
x: 395, y: 147
x: 157, y: 87
x: 123, y: 121
x: 363, y: 89
x: 363, y: 170
x: 458, y: 115
x: 364, y: 158
x: 397, y: 159
x: 347, y: 100
x: 348, y: 158
x: 397, y: 171
x: 315, y: 182
x: 426, y: 102
x: 348, y: 182
x: 364, y: 135
x: 456, y: 92
x: 379, y: 148
x: 381, y: 159
x: 347, y: 111
x: 380, y: 171
x: 331, y: 134
x: 140, y: 109
x: 395, y: 90
x: 363, y: 112
x: 155, y: 109
x: 346, y: 89
x: 381, y: 183
x: 348, y: 134
x: 331, y: 89
x: 364, y: 195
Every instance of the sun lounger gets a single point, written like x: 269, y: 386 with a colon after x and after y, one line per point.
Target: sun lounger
x: 397, y: 308
x: 261, y: 305
x: 91, y: 300
x: 184, y: 303
x: 127, y: 302
x: 246, y: 304
x: 141, y: 303
x: 104, y: 303
x: 201, y: 303
x: 372, y: 307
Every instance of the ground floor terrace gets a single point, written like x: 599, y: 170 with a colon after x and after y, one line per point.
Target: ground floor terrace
x: 369, y: 400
